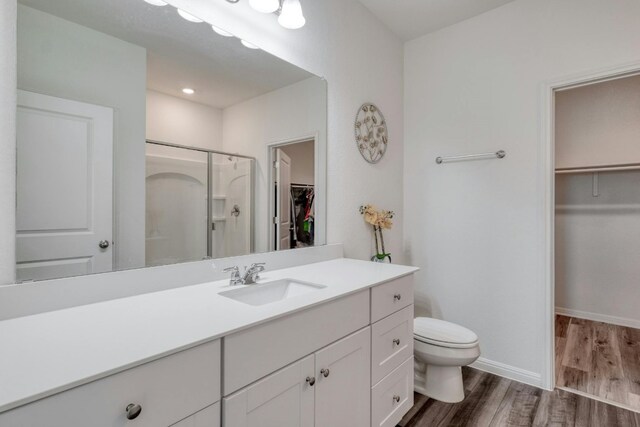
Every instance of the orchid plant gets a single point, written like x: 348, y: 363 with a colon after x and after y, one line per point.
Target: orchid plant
x: 379, y: 220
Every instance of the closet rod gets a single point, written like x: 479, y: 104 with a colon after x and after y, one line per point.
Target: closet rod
x: 604, y: 168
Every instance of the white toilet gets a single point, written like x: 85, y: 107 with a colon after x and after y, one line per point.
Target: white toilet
x: 441, y: 349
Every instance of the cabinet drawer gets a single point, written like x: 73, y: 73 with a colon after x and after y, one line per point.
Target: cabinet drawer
x: 168, y: 390
x: 208, y: 417
x: 391, y: 343
x: 391, y: 297
x: 256, y: 352
x: 392, y: 397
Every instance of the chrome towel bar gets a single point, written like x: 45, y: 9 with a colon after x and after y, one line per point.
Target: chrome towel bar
x: 498, y: 155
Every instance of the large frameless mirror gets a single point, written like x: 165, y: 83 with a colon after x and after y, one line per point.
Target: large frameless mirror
x: 145, y: 138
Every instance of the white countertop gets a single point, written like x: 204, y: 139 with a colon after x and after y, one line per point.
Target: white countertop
x: 47, y: 353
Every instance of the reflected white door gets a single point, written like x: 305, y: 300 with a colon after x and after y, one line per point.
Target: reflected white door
x: 283, y: 202
x: 64, y: 187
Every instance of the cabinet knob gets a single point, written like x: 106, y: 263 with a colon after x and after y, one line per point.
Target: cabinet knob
x: 396, y: 341
x: 397, y: 297
x: 311, y: 381
x: 396, y: 398
x: 133, y: 410
x: 325, y: 372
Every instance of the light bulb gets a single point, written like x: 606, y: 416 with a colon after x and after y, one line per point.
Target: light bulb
x: 156, y: 2
x: 189, y: 17
x: 249, y: 45
x: 221, y: 31
x: 265, y: 6
x: 291, y: 15
x: 188, y: 91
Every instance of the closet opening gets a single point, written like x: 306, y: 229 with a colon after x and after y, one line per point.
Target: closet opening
x: 596, y: 239
x: 293, y: 202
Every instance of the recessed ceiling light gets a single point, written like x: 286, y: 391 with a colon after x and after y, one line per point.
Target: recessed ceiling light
x: 188, y: 91
x: 221, y: 31
x: 157, y: 2
x: 189, y: 17
x: 249, y: 45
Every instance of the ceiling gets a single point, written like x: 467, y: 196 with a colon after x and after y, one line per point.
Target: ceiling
x: 414, y: 18
x: 179, y: 53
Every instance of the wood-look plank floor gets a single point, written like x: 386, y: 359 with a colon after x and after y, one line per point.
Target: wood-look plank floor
x: 492, y: 401
x: 599, y: 359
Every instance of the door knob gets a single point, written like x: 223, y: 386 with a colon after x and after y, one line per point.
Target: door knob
x: 104, y: 244
x: 133, y: 410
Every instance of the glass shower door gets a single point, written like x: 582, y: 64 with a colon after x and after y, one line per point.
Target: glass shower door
x: 177, y: 183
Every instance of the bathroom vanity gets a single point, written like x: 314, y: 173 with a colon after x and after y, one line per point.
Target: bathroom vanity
x: 331, y: 345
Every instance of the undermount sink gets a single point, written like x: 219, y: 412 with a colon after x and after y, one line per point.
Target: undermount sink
x: 269, y: 292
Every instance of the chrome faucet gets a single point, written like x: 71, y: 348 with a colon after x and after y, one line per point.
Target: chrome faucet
x: 250, y: 276
x: 235, y: 278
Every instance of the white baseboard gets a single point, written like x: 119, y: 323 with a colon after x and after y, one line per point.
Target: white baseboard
x: 613, y: 320
x: 508, y: 371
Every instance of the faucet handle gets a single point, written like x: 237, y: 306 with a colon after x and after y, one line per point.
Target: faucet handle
x: 233, y: 269
x: 257, y: 266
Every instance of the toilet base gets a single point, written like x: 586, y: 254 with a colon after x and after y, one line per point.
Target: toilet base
x: 443, y: 383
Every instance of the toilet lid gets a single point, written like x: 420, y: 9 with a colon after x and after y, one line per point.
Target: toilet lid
x: 443, y: 332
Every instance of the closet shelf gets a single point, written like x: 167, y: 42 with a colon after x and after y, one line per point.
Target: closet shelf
x: 603, y: 168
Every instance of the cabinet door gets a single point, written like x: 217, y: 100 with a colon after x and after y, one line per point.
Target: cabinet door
x: 284, y: 398
x: 343, y: 389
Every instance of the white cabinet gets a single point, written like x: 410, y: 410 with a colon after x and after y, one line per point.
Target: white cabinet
x: 392, y: 397
x: 165, y: 391
x: 344, y: 381
x: 329, y: 388
x: 256, y: 352
x: 284, y: 398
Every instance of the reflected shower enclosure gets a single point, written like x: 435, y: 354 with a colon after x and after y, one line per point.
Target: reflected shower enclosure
x: 199, y: 204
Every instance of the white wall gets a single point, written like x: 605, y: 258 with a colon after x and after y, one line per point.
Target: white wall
x: 598, y: 247
x: 477, y: 228
x: 294, y: 111
x: 362, y: 61
x: 302, y: 162
x: 63, y: 59
x: 598, y: 124
x: 178, y: 121
x: 8, y: 11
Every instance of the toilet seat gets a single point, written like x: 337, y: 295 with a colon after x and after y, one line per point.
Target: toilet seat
x: 443, y: 334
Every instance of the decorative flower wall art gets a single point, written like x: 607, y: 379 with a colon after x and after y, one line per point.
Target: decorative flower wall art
x: 371, y: 133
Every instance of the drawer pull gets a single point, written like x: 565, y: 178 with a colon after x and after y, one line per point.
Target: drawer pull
x: 133, y: 410
x: 325, y: 372
x: 397, y: 297
x: 311, y: 381
x: 396, y: 341
x: 396, y: 398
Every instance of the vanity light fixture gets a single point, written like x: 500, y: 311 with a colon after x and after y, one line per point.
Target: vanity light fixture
x: 265, y: 6
x: 220, y: 31
x: 291, y: 16
x: 249, y: 45
x: 189, y: 17
x: 157, y: 2
x: 188, y: 91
